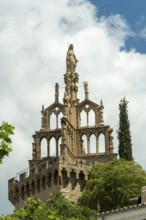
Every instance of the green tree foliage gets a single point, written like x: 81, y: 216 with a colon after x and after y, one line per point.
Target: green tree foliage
x: 112, y: 185
x: 5, y: 131
x: 123, y: 132
x: 57, y: 208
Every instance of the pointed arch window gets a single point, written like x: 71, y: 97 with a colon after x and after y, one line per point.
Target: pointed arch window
x: 53, y: 147
x: 93, y: 144
x: 44, y: 148
x: 84, y: 143
x: 59, y: 120
x: 53, y: 121
x: 91, y: 118
x: 101, y: 140
x: 83, y: 118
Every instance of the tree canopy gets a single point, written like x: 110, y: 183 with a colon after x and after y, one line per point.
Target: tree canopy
x: 57, y: 208
x: 112, y: 184
x: 5, y: 131
x: 123, y: 132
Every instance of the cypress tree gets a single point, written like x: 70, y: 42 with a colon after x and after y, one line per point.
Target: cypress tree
x: 123, y: 132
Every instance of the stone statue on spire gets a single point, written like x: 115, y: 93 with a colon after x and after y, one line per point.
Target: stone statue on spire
x: 71, y: 60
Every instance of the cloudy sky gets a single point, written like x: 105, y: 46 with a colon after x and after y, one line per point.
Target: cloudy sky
x: 109, y: 40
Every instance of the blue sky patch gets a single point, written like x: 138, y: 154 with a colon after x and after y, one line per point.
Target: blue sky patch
x: 134, y: 13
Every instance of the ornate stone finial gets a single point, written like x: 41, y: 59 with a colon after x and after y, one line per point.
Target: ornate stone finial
x: 56, y: 92
x: 86, y: 90
x: 71, y: 60
x: 101, y: 104
x: 101, y: 107
x: 42, y: 108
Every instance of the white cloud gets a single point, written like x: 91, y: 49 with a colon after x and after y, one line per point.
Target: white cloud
x: 33, y: 44
x: 143, y: 33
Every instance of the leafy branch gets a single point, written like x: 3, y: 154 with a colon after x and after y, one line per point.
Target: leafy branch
x: 5, y: 141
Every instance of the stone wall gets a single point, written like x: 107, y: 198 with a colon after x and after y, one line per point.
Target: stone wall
x: 44, y: 179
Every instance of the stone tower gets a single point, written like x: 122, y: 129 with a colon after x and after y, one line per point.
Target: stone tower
x: 67, y: 170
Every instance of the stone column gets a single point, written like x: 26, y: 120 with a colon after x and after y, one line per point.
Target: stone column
x: 106, y: 143
x: 57, y: 121
x: 57, y: 148
x: 88, y: 145
x: 97, y: 145
x: 48, y: 148
x: 87, y: 119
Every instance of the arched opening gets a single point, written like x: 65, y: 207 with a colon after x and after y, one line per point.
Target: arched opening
x: 22, y: 192
x: 44, y: 182
x: 33, y: 187
x: 91, y: 118
x: 92, y: 144
x: 64, y: 178
x: 73, y: 179
x: 44, y: 152
x: 55, y: 177
x: 38, y: 187
x: 82, y: 180
x: 59, y: 119
x: 52, y: 147
x: 83, y: 118
x: 49, y: 180
x: 101, y: 141
x: 53, y: 124
x: 59, y: 148
x: 27, y: 190
x: 84, y: 144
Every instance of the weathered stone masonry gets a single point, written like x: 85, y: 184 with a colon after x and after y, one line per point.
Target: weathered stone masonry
x: 68, y: 170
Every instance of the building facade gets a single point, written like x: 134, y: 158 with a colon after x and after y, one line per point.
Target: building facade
x: 68, y: 168
x: 136, y: 212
